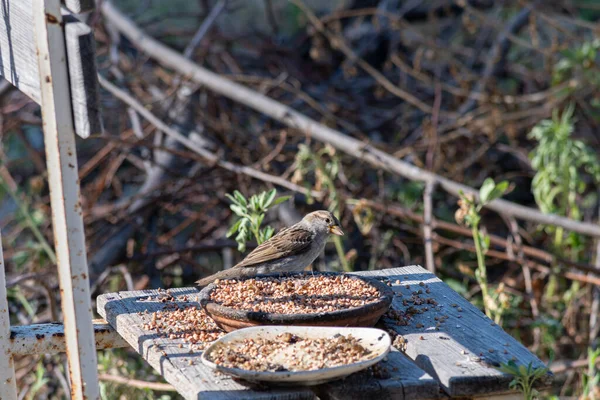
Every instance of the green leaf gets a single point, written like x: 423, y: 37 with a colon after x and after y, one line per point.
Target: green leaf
x: 485, y: 243
x: 240, y: 197
x: 241, y: 240
x: 233, y: 199
x: 270, y: 197
x: 501, y: 188
x: 253, y: 204
x: 486, y: 190
x: 260, y: 219
x: 281, y: 199
x: 261, y: 201
x: 234, y: 228
x: 238, y: 210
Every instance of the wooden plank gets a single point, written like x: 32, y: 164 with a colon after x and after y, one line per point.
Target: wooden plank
x: 65, y: 200
x: 173, y: 363
x: 83, y: 77
x: 18, y: 62
x: 463, y: 353
x: 79, y: 6
x: 405, y: 381
x: 50, y: 338
x: 439, y: 353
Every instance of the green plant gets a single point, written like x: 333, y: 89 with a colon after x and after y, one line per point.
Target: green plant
x: 558, y: 161
x: 40, y: 381
x: 561, y: 163
x: 32, y: 219
x: 325, y: 165
x: 578, y: 62
x: 118, y: 362
x: 251, y: 213
x: 524, y: 378
x: 468, y: 214
x: 591, y: 379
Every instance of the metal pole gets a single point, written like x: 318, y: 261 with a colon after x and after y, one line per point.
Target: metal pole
x: 67, y: 221
x: 8, y: 384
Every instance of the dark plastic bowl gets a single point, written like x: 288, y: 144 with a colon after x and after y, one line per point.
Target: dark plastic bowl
x: 231, y: 319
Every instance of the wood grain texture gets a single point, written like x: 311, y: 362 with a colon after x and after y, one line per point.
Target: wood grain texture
x: 83, y: 77
x: 49, y: 338
x: 463, y: 352
x: 406, y: 381
x: 19, y: 65
x: 448, y: 358
x: 79, y: 6
x: 194, y: 381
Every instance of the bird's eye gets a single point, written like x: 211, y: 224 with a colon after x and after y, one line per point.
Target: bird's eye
x: 328, y: 220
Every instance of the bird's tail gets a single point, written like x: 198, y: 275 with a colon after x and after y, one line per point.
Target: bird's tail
x: 225, y: 274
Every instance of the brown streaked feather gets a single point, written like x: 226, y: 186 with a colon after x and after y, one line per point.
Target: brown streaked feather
x: 287, y: 242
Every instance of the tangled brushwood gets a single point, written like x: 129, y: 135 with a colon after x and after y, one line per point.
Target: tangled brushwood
x: 381, y: 111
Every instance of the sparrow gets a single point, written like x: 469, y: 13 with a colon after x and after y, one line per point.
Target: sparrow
x: 290, y: 250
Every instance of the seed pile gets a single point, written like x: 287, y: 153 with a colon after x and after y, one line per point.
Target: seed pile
x: 287, y: 295
x: 305, y: 354
x: 187, y: 321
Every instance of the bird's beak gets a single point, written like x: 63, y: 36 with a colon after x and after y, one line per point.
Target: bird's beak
x: 336, y: 230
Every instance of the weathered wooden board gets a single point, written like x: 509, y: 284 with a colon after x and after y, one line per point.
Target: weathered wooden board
x: 405, y: 381
x: 465, y: 348
x: 19, y: 64
x: 456, y: 357
x: 79, y: 6
x: 83, y: 77
x: 50, y: 338
x: 173, y: 363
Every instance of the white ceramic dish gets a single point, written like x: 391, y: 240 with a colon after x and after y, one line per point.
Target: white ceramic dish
x: 376, y: 340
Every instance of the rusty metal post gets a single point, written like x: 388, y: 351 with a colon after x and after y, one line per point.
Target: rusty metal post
x: 67, y: 220
x: 8, y: 385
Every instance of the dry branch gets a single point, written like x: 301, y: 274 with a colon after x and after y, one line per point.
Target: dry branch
x: 529, y: 251
x: 291, y: 118
x: 162, y: 387
x: 209, y: 156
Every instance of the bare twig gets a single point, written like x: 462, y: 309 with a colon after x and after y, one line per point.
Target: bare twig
x: 529, y: 251
x: 203, y: 29
x: 428, y: 216
x: 209, y: 156
x: 290, y: 117
x: 520, y: 256
x: 135, y: 383
x: 497, y: 54
x: 136, y: 126
x: 338, y: 42
x: 559, y: 367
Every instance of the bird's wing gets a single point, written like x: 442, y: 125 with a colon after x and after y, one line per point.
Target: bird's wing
x: 287, y: 242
